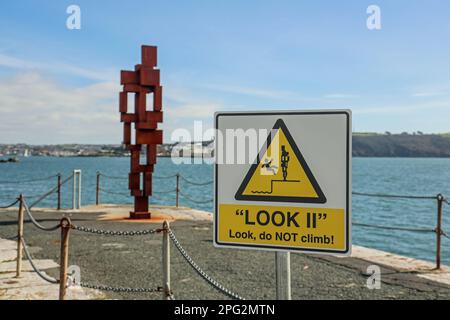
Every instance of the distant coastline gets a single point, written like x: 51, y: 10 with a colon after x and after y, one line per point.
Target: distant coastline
x: 404, y: 145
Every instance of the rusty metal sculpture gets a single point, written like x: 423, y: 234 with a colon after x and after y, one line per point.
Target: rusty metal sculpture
x: 143, y: 81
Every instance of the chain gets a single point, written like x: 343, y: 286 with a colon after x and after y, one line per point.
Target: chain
x: 55, y: 189
x: 112, y: 177
x: 114, y: 192
x: 196, y: 183
x: 125, y: 178
x: 165, y: 192
x: 200, y: 271
x: 37, y: 224
x: 10, y: 205
x: 165, y: 177
x: 445, y: 234
x: 27, y: 181
x: 116, y: 233
x: 392, y: 228
x: 391, y: 196
x: 35, y: 268
x: 120, y: 289
x: 194, y: 200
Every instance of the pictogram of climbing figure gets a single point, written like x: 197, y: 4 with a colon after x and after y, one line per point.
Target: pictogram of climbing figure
x: 284, y: 161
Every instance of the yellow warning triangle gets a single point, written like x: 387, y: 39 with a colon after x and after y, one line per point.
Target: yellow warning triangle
x: 280, y: 173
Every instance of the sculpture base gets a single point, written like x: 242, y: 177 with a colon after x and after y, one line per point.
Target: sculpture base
x: 140, y: 215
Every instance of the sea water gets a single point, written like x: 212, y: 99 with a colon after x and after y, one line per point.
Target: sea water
x: 408, y: 176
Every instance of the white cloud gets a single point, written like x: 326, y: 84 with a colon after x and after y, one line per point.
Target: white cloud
x: 34, y: 109
x: 57, y: 67
x: 256, y: 92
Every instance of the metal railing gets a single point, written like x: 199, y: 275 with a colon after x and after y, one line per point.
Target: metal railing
x: 66, y: 226
x: 64, y: 282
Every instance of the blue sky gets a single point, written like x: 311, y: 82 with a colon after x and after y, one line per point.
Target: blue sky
x: 61, y: 86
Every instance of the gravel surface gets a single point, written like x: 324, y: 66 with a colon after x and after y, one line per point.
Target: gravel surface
x: 136, y: 262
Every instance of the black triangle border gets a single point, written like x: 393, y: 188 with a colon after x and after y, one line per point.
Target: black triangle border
x: 279, y: 124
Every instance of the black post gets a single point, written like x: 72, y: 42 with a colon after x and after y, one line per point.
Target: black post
x: 440, y: 200
x: 178, y: 188
x: 59, y: 192
x: 97, y: 191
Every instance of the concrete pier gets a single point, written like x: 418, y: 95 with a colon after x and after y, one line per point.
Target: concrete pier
x: 136, y: 261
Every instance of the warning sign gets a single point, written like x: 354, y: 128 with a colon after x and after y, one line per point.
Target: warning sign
x: 293, y: 192
x: 280, y: 173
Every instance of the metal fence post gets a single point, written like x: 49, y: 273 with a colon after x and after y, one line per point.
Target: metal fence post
x: 75, y: 205
x: 283, y: 275
x: 177, y: 189
x: 74, y: 186
x: 166, y: 261
x: 64, y: 257
x: 19, y: 237
x: 59, y: 191
x: 97, y: 190
x: 440, y: 200
x: 79, y: 189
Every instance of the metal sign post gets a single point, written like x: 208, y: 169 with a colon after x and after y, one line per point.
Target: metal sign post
x: 283, y: 275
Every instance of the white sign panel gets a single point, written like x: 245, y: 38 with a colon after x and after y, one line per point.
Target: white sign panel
x: 283, y: 180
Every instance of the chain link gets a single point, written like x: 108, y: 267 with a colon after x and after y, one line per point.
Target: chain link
x: 392, y: 228
x: 33, y: 265
x: 445, y: 234
x: 200, y: 271
x: 28, y: 181
x: 37, y: 224
x: 391, y: 195
x: 196, y: 183
x: 164, y: 191
x: 120, y: 289
x: 194, y: 200
x: 116, y: 233
x: 10, y: 205
x: 115, y: 192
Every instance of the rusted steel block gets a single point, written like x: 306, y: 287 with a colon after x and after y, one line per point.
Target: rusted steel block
x: 134, y: 147
x: 123, y: 102
x: 149, y: 137
x: 152, y: 120
x: 149, y: 56
x: 128, y: 117
x: 147, y: 183
x: 140, y: 102
x: 157, y: 98
x: 151, y: 154
x: 149, y: 76
x: 146, y: 168
x: 132, y: 88
x: 134, y: 181
x: 129, y: 77
x: 135, y: 160
x: 136, y: 193
x: 156, y: 116
x: 126, y: 133
x: 147, y: 125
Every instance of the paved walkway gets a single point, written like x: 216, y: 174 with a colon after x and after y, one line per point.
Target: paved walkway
x: 136, y: 262
x: 30, y: 286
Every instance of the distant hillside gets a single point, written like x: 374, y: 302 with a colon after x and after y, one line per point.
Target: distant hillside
x: 401, y: 145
